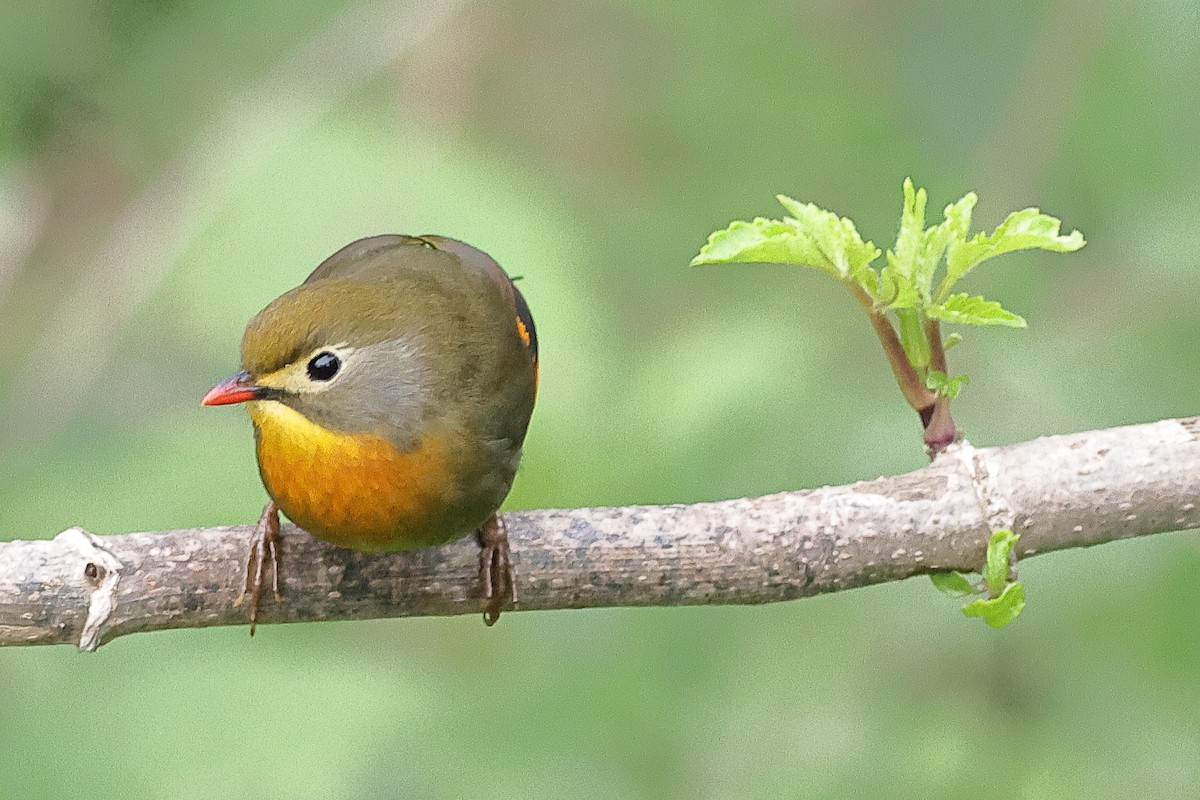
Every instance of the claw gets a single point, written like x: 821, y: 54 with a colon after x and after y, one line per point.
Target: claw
x: 264, y: 547
x: 497, y: 577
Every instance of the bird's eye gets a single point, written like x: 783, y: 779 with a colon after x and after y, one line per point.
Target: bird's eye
x: 324, y: 366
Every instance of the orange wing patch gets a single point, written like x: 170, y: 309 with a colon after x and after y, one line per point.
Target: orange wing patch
x: 528, y: 340
x: 526, y: 330
x: 523, y: 332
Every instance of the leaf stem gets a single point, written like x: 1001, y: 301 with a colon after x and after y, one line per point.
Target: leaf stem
x: 934, y: 409
x: 937, y: 352
x: 910, y: 383
x: 940, y: 431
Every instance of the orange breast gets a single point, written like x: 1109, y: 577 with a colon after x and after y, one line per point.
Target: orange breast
x: 354, y: 490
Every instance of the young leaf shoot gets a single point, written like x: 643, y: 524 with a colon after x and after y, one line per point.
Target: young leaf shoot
x: 904, y: 308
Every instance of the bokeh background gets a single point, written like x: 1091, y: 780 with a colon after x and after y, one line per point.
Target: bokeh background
x: 169, y: 166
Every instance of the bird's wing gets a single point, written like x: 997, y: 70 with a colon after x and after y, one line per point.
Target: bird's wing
x: 476, y: 258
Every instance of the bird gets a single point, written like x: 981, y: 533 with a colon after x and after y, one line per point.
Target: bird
x: 390, y: 394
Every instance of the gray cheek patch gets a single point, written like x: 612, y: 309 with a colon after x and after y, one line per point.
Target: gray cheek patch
x: 385, y: 383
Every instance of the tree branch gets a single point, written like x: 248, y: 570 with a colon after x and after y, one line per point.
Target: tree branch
x: 1057, y: 492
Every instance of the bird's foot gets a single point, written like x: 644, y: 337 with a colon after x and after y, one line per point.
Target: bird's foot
x: 264, y: 547
x: 496, y: 574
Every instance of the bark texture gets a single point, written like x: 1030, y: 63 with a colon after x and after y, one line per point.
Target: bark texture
x: 1058, y: 492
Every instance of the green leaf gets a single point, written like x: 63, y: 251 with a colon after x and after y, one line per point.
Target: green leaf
x: 933, y: 245
x: 952, y: 584
x: 1023, y: 230
x: 815, y: 238
x: 999, y: 551
x: 939, y: 382
x: 911, y: 266
x: 897, y: 276
x: 763, y: 241
x: 896, y: 289
x: 999, y: 611
x: 836, y: 239
x: 1006, y: 600
x: 951, y: 340
x: 973, y: 310
x: 912, y: 229
x: 958, y: 218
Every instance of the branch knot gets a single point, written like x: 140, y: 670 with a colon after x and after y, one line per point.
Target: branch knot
x: 101, y: 572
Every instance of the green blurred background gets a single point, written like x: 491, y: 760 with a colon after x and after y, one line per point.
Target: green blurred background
x: 169, y: 166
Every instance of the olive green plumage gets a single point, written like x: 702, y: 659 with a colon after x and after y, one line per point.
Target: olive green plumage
x: 429, y: 352
x: 437, y: 326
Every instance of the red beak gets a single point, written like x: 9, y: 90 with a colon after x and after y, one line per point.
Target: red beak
x: 237, y: 389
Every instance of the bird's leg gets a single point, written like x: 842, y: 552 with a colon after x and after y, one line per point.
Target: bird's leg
x: 264, y: 547
x: 496, y: 574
